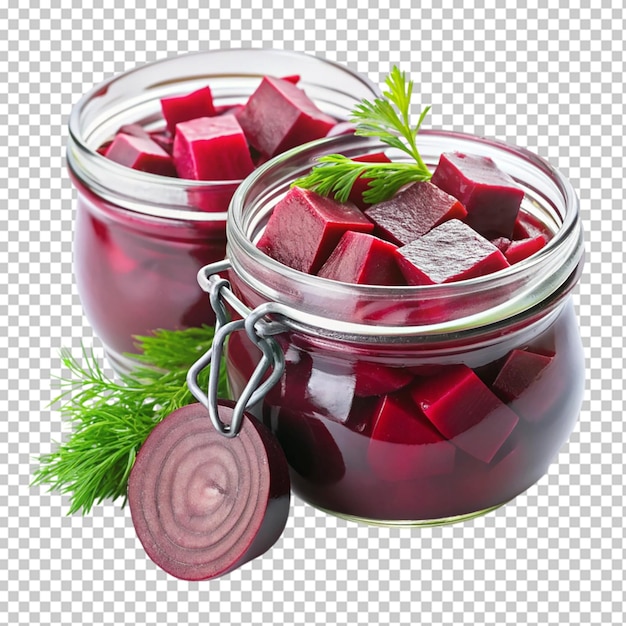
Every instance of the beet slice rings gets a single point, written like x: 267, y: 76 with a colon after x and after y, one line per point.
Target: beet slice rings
x: 203, y: 504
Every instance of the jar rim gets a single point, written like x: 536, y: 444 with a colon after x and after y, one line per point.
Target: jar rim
x: 562, y: 255
x: 93, y: 168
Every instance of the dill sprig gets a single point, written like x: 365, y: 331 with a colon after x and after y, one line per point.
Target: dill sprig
x: 111, y: 419
x: 389, y: 120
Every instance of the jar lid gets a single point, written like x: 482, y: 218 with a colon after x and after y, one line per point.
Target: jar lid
x: 204, y: 504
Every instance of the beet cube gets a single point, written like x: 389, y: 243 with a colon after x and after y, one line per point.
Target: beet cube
x: 279, y: 115
x: 140, y: 153
x: 465, y: 411
x: 490, y: 196
x: 528, y: 226
x: 413, y: 212
x: 164, y: 139
x: 520, y: 370
x: 374, y: 379
x: 136, y: 130
x: 177, y: 109
x: 361, y: 184
x: 362, y: 258
x: 305, y: 227
x: 404, y: 445
x: 502, y: 243
x: 523, y: 248
x: 211, y: 148
x: 294, y: 79
x: 450, y: 252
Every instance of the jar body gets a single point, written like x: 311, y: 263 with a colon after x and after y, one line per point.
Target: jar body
x: 360, y: 438
x: 140, y: 239
x: 415, y: 405
x: 136, y: 273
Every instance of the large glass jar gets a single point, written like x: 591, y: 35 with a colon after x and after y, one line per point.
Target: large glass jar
x: 415, y: 405
x: 140, y: 238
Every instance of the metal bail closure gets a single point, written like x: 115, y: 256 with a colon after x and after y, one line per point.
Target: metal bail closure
x: 258, y: 330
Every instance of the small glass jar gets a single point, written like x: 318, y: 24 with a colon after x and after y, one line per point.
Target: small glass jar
x: 140, y: 238
x: 415, y: 405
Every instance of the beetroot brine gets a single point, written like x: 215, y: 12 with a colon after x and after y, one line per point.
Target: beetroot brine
x: 397, y: 433
x: 136, y: 271
x: 419, y: 403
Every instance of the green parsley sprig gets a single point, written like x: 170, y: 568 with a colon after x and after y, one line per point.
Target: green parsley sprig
x: 111, y: 418
x: 388, y: 119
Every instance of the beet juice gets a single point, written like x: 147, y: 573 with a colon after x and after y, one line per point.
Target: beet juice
x: 414, y: 403
x: 141, y: 231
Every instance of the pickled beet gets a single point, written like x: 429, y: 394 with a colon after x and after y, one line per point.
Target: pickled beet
x: 404, y: 445
x: 522, y: 248
x: 374, y: 379
x: 450, y: 252
x: 365, y: 259
x: 361, y: 184
x: 519, y: 371
x: 465, y: 411
x: 490, y: 196
x: 140, y: 153
x: 211, y: 148
x: 279, y: 115
x: 187, y: 107
x: 136, y: 130
x: 413, y: 212
x: 305, y: 227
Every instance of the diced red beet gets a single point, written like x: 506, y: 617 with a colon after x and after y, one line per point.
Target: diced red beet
x: 502, y: 243
x: 519, y: 371
x: 413, y: 212
x: 404, y: 445
x: 140, y: 153
x: 527, y: 226
x: 203, y: 504
x: 490, y: 196
x: 164, y: 139
x: 361, y: 184
x: 361, y: 258
x: 279, y: 115
x: 465, y: 411
x: 522, y: 248
x: 211, y: 148
x: 305, y: 227
x: 374, y: 379
x: 449, y: 252
x: 136, y: 130
x: 187, y: 107
x: 103, y: 148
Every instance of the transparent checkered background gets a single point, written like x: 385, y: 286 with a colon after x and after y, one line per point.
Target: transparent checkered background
x: 548, y: 79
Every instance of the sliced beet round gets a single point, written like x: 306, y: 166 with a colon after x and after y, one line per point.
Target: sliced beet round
x: 204, y: 504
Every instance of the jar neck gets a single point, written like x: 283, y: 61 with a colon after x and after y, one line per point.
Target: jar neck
x: 382, y: 312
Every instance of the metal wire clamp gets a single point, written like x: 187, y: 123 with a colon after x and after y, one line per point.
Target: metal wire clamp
x: 259, y: 329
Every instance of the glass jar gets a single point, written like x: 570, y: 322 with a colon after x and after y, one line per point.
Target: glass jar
x: 415, y: 405
x: 140, y: 238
